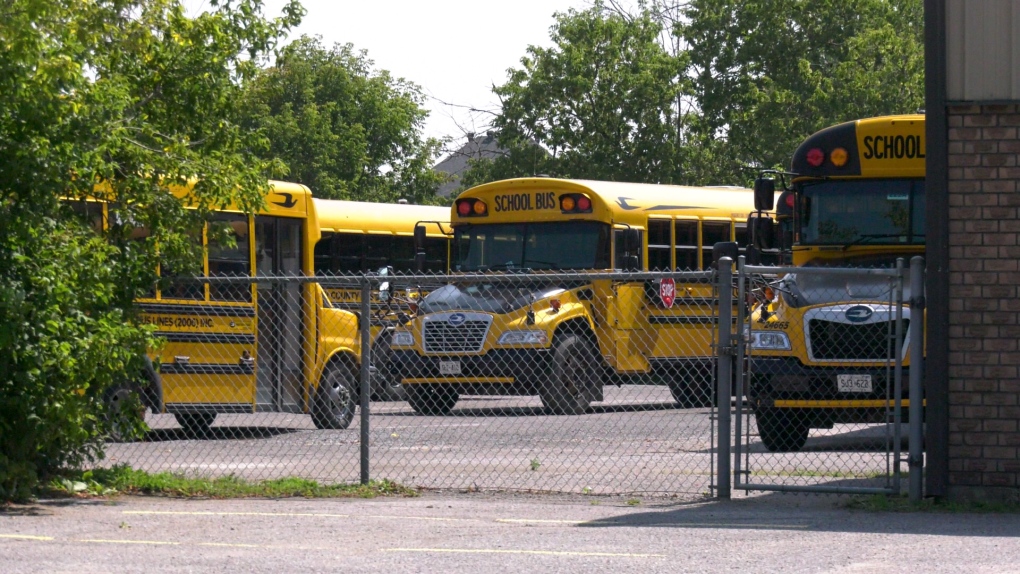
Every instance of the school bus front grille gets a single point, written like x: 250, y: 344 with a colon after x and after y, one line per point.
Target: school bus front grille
x: 467, y: 337
x: 835, y: 341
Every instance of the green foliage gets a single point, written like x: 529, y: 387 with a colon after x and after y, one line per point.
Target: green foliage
x: 602, y: 101
x: 343, y: 129
x: 768, y: 74
x: 134, y: 94
x: 702, y: 92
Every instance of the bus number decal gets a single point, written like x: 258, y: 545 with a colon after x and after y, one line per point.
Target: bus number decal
x: 893, y: 147
x: 177, y: 322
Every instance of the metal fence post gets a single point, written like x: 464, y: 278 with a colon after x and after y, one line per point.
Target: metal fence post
x: 366, y: 375
x: 724, y: 362
x: 915, y: 459
x: 898, y: 376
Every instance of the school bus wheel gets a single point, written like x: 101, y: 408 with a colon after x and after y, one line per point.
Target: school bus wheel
x: 431, y: 399
x: 573, y: 379
x: 125, y: 412
x: 335, y: 399
x: 195, y: 425
x: 780, y: 430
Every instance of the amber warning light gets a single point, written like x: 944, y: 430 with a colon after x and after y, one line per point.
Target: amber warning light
x: 471, y: 208
x: 575, y: 203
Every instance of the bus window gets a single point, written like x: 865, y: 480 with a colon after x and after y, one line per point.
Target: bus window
x: 347, y: 252
x: 388, y: 250
x: 712, y: 232
x: 123, y: 226
x: 686, y: 245
x: 436, y: 252
x: 90, y: 212
x: 618, y: 238
x: 229, y: 261
x: 184, y: 290
x: 741, y: 237
x: 659, y: 245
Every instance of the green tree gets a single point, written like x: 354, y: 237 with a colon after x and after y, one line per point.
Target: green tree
x: 136, y: 95
x: 343, y: 129
x: 602, y: 101
x: 769, y: 73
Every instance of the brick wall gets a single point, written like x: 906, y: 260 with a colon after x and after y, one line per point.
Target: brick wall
x: 984, y: 302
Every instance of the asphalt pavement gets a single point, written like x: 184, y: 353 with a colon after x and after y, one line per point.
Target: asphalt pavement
x: 493, y: 532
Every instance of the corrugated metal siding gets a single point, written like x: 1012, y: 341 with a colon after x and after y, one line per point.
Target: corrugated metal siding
x: 983, y: 50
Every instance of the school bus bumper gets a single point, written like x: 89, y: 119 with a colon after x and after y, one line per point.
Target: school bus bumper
x: 513, y: 370
x: 785, y: 383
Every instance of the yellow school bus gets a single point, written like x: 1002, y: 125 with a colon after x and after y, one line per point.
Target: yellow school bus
x: 820, y: 347
x: 362, y: 237
x: 563, y: 340
x: 273, y: 346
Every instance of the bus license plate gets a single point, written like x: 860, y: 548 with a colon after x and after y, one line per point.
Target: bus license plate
x: 449, y: 367
x: 853, y: 383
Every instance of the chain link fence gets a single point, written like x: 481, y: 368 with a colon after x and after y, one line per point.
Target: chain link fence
x: 575, y: 383
x: 602, y: 384
x: 823, y: 399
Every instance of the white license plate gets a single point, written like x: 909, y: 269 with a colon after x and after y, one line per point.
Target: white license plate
x: 853, y: 383
x: 449, y: 367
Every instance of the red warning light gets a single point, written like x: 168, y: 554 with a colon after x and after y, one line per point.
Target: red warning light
x: 815, y: 157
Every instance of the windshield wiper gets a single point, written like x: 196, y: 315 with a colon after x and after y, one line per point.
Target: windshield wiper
x: 866, y: 238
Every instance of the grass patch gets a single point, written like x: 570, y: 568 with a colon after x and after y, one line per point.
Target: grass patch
x: 126, y: 480
x: 818, y: 474
x: 887, y: 503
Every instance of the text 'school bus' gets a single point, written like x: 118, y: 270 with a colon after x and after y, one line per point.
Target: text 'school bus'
x: 563, y: 340
x: 277, y: 346
x: 361, y: 237
x: 820, y: 349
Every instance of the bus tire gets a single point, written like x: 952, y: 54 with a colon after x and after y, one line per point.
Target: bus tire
x: 385, y: 385
x: 335, y: 399
x: 431, y: 399
x: 124, y: 411
x: 573, y: 377
x: 780, y: 432
x: 195, y: 425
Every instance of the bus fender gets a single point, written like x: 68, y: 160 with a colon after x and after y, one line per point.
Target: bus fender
x: 341, y: 355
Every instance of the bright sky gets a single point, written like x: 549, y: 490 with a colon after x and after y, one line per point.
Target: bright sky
x: 454, y: 49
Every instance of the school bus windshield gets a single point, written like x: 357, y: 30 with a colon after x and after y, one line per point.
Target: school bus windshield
x: 508, y: 246
x: 863, y: 212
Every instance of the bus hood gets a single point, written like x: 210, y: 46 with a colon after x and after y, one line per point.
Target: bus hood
x: 809, y: 289
x: 487, y: 297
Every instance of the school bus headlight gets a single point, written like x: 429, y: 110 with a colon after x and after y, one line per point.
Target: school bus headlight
x: 524, y: 338
x: 769, y: 340
x: 402, y: 339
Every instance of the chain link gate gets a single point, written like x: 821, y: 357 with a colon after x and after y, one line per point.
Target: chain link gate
x: 821, y: 359
x: 599, y: 384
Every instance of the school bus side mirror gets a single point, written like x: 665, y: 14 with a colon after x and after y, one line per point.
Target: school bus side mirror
x: 419, y: 248
x: 763, y: 231
x: 724, y: 249
x: 764, y: 194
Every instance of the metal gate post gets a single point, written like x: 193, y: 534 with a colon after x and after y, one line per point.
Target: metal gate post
x: 915, y: 460
x: 724, y: 363
x: 741, y: 349
x: 898, y: 378
x: 366, y: 376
